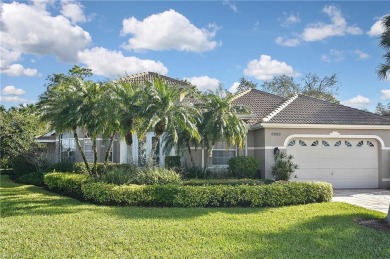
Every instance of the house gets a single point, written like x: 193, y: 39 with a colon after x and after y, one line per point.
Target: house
x: 347, y: 147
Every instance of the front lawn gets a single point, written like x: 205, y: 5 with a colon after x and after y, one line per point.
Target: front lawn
x: 38, y: 224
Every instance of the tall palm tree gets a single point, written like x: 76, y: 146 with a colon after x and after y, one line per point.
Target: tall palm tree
x: 220, y: 122
x: 163, y: 111
x: 383, y: 69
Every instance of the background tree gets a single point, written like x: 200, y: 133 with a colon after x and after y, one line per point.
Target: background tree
x: 384, y: 68
x: 220, y: 122
x: 311, y: 85
x: 245, y: 84
x: 382, y: 109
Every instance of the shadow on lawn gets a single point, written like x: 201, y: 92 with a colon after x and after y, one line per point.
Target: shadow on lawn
x: 335, y: 236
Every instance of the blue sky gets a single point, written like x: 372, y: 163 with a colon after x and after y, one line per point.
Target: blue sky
x: 205, y: 42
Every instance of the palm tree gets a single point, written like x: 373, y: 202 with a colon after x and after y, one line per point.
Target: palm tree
x: 384, y: 68
x: 163, y: 111
x: 220, y: 122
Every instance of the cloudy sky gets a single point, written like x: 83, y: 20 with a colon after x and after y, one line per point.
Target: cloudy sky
x: 205, y: 42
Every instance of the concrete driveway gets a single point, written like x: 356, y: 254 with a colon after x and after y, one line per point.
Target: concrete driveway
x: 373, y: 199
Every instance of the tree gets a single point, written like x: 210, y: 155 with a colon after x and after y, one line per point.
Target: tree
x: 311, y: 85
x: 163, y: 111
x: 245, y: 84
x: 220, y: 122
x: 72, y: 103
x: 18, y: 128
x: 384, y: 68
x: 382, y: 109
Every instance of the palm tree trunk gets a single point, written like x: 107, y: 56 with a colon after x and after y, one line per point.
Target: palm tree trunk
x: 94, y: 168
x: 76, y: 138
x: 209, y: 154
x: 109, y: 149
x: 151, y: 155
x: 190, y: 153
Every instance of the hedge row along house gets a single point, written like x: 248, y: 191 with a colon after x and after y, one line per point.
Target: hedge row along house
x: 347, y: 147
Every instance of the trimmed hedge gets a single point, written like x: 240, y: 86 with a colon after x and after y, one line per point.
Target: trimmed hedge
x: 291, y: 193
x: 244, y: 167
x: 32, y: 179
x: 66, y: 183
x: 80, y: 168
x: 233, y: 182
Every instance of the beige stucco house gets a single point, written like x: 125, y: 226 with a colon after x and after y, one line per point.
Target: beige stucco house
x: 347, y: 147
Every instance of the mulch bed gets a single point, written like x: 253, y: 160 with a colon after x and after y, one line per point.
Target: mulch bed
x: 378, y: 224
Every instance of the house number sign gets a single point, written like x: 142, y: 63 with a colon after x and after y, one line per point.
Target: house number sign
x: 276, y: 134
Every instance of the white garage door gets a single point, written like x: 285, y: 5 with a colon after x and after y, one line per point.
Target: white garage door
x: 345, y: 163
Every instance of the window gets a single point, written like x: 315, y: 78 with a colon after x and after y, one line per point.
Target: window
x: 314, y: 144
x: 302, y: 143
x: 67, y: 148
x: 88, y: 150
x: 325, y: 143
x: 370, y: 144
x: 338, y: 143
x: 221, y: 157
x: 291, y: 143
x: 360, y: 144
x: 347, y: 143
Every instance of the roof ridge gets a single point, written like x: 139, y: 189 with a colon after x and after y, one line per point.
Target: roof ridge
x: 239, y: 94
x: 280, y: 108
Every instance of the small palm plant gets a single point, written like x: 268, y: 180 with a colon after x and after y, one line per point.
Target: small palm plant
x: 284, y: 167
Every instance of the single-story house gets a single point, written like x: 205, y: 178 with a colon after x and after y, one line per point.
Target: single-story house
x: 347, y: 147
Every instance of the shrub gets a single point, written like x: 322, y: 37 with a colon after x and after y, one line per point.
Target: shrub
x: 232, y: 182
x: 278, y: 194
x: 65, y: 167
x: 6, y: 171
x: 21, y: 166
x: 283, y: 167
x: 193, y: 172
x: 120, y: 174
x: 243, y: 167
x: 156, y: 175
x: 35, y: 178
x: 66, y: 183
x: 172, y: 162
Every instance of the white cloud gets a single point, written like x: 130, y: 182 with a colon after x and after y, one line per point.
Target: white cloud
x: 337, y: 27
x: 14, y: 99
x: 234, y: 87
x: 266, y: 68
x: 74, y: 11
x: 289, y: 19
x: 361, y: 54
x: 231, y: 5
x: 204, y: 83
x: 114, y: 64
x: 376, y: 29
x: 168, y: 30
x: 256, y: 25
x: 18, y: 70
x: 385, y: 94
x: 288, y: 42
x: 357, y: 102
x: 31, y: 29
x: 333, y: 56
x: 12, y: 90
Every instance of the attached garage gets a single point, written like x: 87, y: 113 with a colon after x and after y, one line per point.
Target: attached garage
x: 345, y: 163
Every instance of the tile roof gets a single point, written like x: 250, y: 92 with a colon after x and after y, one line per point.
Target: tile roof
x: 309, y: 110
x: 259, y: 103
x: 301, y: 109
x: 149, y: 77
x: 48, y: 137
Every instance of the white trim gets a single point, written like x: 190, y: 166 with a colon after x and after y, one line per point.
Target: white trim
x: 266, y: 147
x: 385, y: 179
x: 46, y: 141
x: 246, y: 144
x: 279, y: 108
x: 202, y: 157
x: 333, y: 135
x: 317, y: 126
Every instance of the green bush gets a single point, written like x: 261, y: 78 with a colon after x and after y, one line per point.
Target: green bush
x: 66, y: 183
x: 80, y: 168
x: 21, y: 166
x: 284, y: 167
x: 233, y: 182
x: 243, y: 167
x: 6, y: 171
x: 35, y: 178
x: 120, y: 174
x: 65, y: 167
x: 172, y: 162
x: 278, y: 194
x: 156, y: 175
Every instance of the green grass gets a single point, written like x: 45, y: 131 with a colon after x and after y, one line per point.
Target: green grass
x: 39, y: 224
